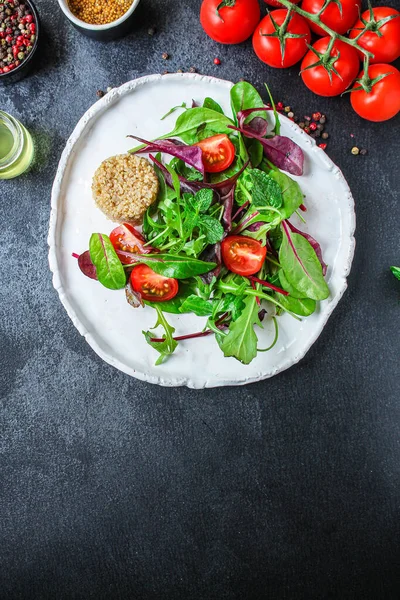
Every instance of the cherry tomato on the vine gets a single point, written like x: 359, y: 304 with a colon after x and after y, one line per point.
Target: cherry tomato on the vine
x: 151, y: 285
x: 229, y: 21
x: 382, y: 40
x: 269, y: 48
x: 340, y: 20
x: 243, y: 255
x: 277, y: 4
x: 317, y: 78
x: 218, y: 153
x: 383, y: 101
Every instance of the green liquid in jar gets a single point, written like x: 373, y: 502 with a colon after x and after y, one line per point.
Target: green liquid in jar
x: 6, y: 140
x: 16, y: 147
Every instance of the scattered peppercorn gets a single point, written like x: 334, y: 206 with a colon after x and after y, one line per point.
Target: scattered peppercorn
x: 109, y: 89
x: 307, y: 129
x: 152, y: 31
x: 17, y: 34
x: 99, y: 12
x: 192, y: 70
x: 355, y: 150
x: 100, y: 93
x: 363, y: 151
x: 323, y: 119
x: 290, y: 114
x: 302, y: 125
x: 316, y: 116
x: 325, y: 135
x: 313, y: 126
x: 165, y: 56
x: 287, y: 109
x: 323, y: 146
x: 217, y: 61
x: 280, y: 106
x: 320, y: 127
x: 179, y: 71
x: 307, y: 118
x: 165, y: 72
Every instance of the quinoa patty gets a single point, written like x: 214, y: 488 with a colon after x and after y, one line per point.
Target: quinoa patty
x: 124, y: 186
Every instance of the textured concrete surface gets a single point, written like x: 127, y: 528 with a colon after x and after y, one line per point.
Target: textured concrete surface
x: 113, y: 488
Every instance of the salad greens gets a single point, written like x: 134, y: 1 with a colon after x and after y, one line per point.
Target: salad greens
x: 200, y: 215
x: 396, y: 272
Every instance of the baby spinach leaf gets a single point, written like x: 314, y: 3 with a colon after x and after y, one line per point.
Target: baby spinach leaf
x: 191, y: 121
x: 197, y: 305
x: 168, y: 345
x: 301, y: 265
x: 109, y: 269
x: 293, y: 292
x: 241, y: 340
x: 300, y: 306
x: 396, y: 272
x: 210, y: 103
x: 244, y: 96
x: 170, y: 265
x: 255, y: 150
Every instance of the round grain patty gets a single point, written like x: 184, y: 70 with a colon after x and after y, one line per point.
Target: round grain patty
x: 124, y: 186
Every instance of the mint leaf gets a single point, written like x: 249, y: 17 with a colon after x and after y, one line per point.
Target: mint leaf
x: 212, y: 228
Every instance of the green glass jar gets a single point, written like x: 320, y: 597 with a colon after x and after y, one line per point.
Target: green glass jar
x: 16, y: 147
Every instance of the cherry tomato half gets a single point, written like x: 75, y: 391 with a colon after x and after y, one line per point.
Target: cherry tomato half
x: 151, y: 286
x: 243, y: 255
x: 383, y: 42
x: 383, y: 101
x: 268, y: 49
x: 340, y: 20
x: 317, y: 78
x: 126, y: 238
x: 218, y: 153
x: 229, y: 24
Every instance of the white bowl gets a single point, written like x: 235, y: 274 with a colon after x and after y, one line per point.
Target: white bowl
x: 105, y: 32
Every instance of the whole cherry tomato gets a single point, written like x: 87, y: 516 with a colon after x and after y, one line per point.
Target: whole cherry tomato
x: 340, y: 20
x: 383, y: 101
x: 317, y: 78
x: 229, y: 21
x: 382, y: 38
x: 281, y: 52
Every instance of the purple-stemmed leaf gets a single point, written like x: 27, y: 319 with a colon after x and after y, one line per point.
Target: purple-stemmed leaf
x: 212, y: 254
x: 314, y: 244
x: 191, y: 155
x: 280, y: 150
x: 258, y: 124
x: 86, y: 266
x: 227, y: 202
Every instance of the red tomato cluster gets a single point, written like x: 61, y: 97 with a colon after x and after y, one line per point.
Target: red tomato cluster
x: 281, y: 40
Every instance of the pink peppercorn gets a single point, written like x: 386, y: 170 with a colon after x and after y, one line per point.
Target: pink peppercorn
x: 323, y: 146
x: 217, y: 61
x: 313, y: 126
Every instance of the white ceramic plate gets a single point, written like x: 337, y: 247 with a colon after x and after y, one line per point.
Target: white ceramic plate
x: 114, y: 329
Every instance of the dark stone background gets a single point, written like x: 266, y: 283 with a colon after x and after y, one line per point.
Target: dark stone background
x: 114, y: 488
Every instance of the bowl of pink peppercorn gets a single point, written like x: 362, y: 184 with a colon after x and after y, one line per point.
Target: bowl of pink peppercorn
x: 19, y: 35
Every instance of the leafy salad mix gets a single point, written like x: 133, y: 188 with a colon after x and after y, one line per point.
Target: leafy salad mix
x: 218, y: 242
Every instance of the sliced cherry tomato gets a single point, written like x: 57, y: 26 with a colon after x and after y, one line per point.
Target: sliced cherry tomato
x: 338, y: 19
x: 277, y: 4
x: 218, y: 153
x: 151, y: 286
x: 383, y: 101
x: 317, y: 78
x: 243, y: 255
x: 125, y: 237
x: 229, y: 22
x: 268, y: 49
x: 383, y: 40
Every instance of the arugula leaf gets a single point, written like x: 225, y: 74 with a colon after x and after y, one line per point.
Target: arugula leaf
x: 228, y: 303
x: 301, y: 265
x: 212, y: 228
x: 109, y: 269
x: 396, y: 272
x: 189, y: 173
x: 168, y: 345
x: 173, y: 109
x: 210, y: 103
x: 197, y: 305
x: 241, y: 340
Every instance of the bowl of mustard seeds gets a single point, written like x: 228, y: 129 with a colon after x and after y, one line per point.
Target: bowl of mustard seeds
x: 100, y: 19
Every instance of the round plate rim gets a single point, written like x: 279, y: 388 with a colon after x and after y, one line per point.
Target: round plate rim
x: 90, y: 115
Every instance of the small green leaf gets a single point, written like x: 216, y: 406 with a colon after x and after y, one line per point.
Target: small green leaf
x: 210, y: 103
x: 241, y: 340
x: 197, y: 305
x: 266, y: 191
x: 211, y: 228
x: 300, y: 306
x: 168, y: 345
x: 203, y: 199
x: 396, y: 272
x: 178, y: 267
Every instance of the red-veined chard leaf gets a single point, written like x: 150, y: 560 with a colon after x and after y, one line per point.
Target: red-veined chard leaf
x: 109, y: 269
x: 314, y: 244
x: 191, y: 155
x: 86, y: 266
